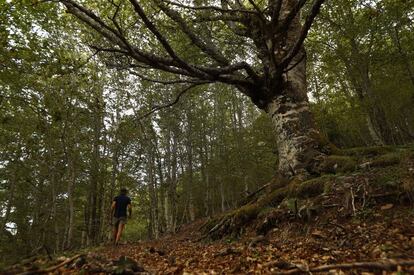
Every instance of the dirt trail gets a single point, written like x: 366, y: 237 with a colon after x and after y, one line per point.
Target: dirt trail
x: 382, y: 237
x: 387, y: 234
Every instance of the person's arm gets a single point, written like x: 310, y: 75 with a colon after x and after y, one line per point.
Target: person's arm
x: 129, y: 210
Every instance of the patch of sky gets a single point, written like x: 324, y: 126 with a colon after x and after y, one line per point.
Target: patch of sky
x: 63, y: 196
x: 11, y: 227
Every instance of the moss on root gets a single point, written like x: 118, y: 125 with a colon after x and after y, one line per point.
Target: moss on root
x: 310, y: 188
x: 232, y: 222
x: 327, y: 146
x: 245, y: 214
x: 273, y: 198
x: 368, y: 151
x: 335, y: 164
x: 392, y: 176
x: 386, y: 160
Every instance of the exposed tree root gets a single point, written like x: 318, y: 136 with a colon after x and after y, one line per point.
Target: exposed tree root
x: 233, y: 222
x: 350, y: 189
x: 388, y: 265
x: 52, y: 268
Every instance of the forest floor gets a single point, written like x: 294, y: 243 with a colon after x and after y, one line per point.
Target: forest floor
x: 387, y: 234
x: 384, y: 234
x: 360, y: 222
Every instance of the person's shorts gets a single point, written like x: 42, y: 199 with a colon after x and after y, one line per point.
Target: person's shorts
x: 119, y: 220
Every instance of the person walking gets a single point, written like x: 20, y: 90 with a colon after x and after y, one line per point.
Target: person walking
x: 119, y: 207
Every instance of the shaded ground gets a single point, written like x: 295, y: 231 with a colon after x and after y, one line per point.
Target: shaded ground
x: 363, y: 219
x: 387, y: 234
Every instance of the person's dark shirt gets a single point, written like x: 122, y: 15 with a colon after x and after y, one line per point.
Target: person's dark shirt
x: 121, y: 204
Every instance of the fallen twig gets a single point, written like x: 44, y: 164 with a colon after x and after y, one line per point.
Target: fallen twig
x: 353, y: 202
x: 52, y: 268
x: 381, y: 265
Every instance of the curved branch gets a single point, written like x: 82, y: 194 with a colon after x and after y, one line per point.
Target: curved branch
x: 210, y: 8
x: 295, y: 64
x: 164, y: 82
x: 175, y: 101
x: 163, y: 40
x: 173, y: 64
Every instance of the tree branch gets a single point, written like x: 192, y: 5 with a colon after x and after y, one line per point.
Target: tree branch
x: 165, y: 82
x: 292, y: 14
x: 175, y: 101
x: 94, y: 21
x: 52, y: 268
x: 172, y: 64
x: 210, y: 50
x: 304, y: 32
x: 277, y: 6
x: 210, y: 8
x: 163, y: 40
x: 259, y: 12
x: 381, y: 265
x: 220, y: 17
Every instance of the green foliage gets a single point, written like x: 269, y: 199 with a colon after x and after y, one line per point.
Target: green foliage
x: 73, y: 129
x: 361, y: 74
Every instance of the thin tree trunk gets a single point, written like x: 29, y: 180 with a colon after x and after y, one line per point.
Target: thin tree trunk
x: 222, y: 196
x: 154, y: 229
x: 173, y: 186
x: 71, y: 208
x: 53, y: 213
x: 161, y: 200
x: 191, y: 208
x: 170, y: 202
x: 372, y: 131
x: 11, y: 190
x: 94, y: 207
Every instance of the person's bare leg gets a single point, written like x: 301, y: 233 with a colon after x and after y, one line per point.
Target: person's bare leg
x: 120, y: 229
x: 115, y: 233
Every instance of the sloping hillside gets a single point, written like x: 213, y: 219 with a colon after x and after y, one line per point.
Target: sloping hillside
x: 361, y: 220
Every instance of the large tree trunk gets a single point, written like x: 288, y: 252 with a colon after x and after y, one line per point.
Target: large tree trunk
x: 297, y: 137
x: 284, y: 98
x: 296, y: 134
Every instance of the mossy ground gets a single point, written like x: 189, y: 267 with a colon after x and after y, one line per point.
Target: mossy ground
x: 347, y: 182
